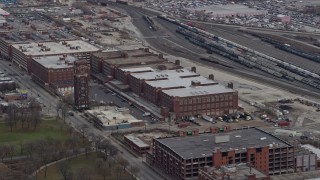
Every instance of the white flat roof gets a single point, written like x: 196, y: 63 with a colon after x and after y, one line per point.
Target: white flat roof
x: 168, y: 74
x: 139, y: 69
x: 197, y: 91
x: 4, y: 13
x: 176, y: 81
x: 106, y: 116
x: 54, y: 62
x: 34, y: 49
x: 137, y: 141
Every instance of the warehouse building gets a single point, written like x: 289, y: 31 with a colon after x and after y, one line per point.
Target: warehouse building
x: 7, y: 39
x: 200, y: 100
x: 22, y: 54
x: 111, y: 64
x: 136, y: 144
x: 182, y: 157
x: 55, y: 72
x: 183, y: 92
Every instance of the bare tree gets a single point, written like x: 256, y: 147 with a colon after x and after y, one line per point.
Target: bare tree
x: 82, y: 174
x: 29, y: 148
x: 122, y: 162
x: 102, y: 168
x: 134, y: 171
x: 64, y: 112
x: 11, y: 150
x: 43, y: 151
x: 73, y: 142
x: 65, y: 170
x: 118, y: 170
x: 83, y: 130
x: 3, y: 151
x: 58, y: 108
x: 87, y: 147
x: 107, y: 149
x: 35, y: 118
x: 96, y: 140
x: 23, y: 116
x: 12, y: 117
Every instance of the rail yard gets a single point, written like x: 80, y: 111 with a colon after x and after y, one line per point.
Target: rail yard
x: 284, y: 68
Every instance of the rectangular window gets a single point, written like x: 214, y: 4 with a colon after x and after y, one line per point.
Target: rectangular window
x: 224, y: 154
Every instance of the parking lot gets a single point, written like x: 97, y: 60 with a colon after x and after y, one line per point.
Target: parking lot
x: 300, y: 21
x: 101, y: 94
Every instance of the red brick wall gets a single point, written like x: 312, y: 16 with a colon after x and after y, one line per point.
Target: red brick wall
x: 217, y: 104
x: 150, y: 93
x: 261, y: 160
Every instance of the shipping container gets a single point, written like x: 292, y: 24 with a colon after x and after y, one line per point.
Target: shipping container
x: 283, y: 123
x: 124, y: 126
x: 207, y: 118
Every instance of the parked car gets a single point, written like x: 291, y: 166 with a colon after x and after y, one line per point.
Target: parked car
x: 146, y: 114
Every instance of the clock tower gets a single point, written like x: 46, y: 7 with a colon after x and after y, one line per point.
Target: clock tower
x: 81, y: 84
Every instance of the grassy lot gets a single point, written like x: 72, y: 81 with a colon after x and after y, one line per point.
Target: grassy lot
x: 49, y: 127
x: 77, y: 163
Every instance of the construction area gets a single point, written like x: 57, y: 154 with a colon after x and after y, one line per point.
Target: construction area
x: 113, y: 118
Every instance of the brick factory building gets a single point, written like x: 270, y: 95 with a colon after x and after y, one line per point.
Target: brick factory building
x: 183, y: 92
x: 22, y: 54
x: 180, y: 91
x: 81, y: 84
x: 29, y: 27
x: 109, y: 64
x: 55, y: 72
x: 182, y: 157
x: 136, y: 144
x: 8, y: 39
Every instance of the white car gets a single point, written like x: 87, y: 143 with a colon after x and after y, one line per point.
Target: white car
x: 146, y: 114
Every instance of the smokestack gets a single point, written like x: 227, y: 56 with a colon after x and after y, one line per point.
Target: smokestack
x: 194, y: 69
x: 160, y: 56
x: 211, y: 76
x: 177, y: 62
x: 146, y: 49
x: 230, y: 85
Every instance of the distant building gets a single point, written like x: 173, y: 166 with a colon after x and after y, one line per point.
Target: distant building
x: 183, y: 157
x: 20, y: 36
x: 109, y: 64
x: 22, y: 54
x: 283, y: 18
x: 55, y: 72
x: 81, y: 84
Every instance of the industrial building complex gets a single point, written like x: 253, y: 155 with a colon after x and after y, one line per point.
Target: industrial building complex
x: 23, y: 53
x: 54, y: 71
x: 180, y: 92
